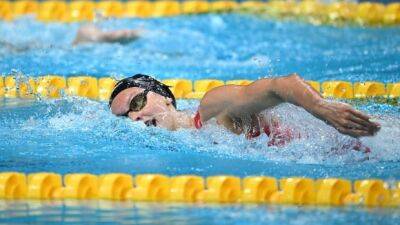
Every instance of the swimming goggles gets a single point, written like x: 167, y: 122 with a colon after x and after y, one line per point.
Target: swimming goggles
x: 137, y: 103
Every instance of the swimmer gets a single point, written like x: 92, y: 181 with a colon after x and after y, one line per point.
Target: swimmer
x: 85, y: 34
x: 237, y: 108
x: 92, y: 34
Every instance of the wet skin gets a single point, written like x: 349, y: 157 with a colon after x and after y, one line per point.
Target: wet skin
x: 227, y: 103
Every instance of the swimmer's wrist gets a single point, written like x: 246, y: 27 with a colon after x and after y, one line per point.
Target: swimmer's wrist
x: 319, y: 107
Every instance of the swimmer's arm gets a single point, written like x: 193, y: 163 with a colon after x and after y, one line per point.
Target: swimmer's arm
x: 120, y: 36
x: 343, y: 117
x: 236, y: 101
x: 92, y: 34
x: 86, y: 34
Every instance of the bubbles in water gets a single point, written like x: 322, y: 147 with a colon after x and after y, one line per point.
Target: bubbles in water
x: 89, y: 124
x: 217, y: 23
x: 261, y: 61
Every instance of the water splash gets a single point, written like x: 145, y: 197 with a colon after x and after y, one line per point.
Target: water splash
x: 79, y: 120
x: 221, y: 46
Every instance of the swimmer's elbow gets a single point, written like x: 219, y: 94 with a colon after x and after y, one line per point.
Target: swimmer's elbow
x: 262, y: 87
x: 294, y: 76
x: 287, y: 78
x: 280, y: 84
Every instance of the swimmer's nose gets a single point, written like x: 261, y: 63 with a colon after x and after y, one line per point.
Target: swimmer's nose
x: 135, y: 116
x: 149, y: 121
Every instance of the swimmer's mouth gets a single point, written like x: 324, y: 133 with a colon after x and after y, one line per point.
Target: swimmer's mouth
x: 150, y: 123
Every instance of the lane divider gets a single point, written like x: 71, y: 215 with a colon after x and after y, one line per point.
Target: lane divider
x: 316, y: 12
x: 100, y: 88
x: 192, y: 188
x: 335, y: 13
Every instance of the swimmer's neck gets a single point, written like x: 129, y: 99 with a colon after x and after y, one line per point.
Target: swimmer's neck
x: 183, y: 120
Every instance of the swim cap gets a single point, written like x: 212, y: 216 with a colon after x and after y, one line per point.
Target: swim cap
x: 142, y: 81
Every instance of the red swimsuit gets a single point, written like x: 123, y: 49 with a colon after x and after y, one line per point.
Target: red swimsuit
x: 280, y: 136
x: 197, y: 120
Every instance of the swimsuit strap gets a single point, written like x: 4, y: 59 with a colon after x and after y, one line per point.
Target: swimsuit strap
x: 278, y: 135
x: 253, y: 134
x: 197, y: 120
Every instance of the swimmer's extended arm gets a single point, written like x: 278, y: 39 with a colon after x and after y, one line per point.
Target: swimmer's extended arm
x: 91, y: 34
x: 120, y: 36
x: 236, y: 101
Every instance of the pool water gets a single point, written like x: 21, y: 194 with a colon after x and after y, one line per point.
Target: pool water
x: 206, y: 46
x: 106, y: 212
x: 73, y: 134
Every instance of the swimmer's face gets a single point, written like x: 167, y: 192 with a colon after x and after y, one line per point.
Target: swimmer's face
x: 158, y: 110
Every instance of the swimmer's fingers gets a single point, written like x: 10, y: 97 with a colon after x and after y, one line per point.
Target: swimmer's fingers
x: 363, y: 119
x: 348, y: 127
x: 360, y: 115
x: 355, y: 125
x: 348, y: 120
x: 367, y: 125
x: 366, y: 118
x: 353, y: 132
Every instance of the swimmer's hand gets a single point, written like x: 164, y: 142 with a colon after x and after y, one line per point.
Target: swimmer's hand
x: 347, y: 120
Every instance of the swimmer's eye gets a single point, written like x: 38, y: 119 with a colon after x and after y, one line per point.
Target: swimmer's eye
x: 137, y: 103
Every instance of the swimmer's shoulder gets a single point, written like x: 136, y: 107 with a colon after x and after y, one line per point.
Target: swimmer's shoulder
x: 87, y: 33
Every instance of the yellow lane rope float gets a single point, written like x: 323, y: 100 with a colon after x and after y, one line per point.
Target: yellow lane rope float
x: 335, y: 13
x: 316, y: 12
x: 100, y: 88
x: 192, y: 188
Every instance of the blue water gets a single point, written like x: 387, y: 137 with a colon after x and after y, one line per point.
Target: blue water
x: 91, y: 212
x: 209, y: 46
x: 79, y: 135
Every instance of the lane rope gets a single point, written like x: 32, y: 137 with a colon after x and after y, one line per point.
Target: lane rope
x: 315, y: 12
x: 101, y: 88
x: 193, y: 189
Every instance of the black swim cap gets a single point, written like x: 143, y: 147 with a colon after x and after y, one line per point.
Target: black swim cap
x: 142, y: 81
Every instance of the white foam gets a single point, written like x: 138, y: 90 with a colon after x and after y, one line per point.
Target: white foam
x: 318, y: 146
